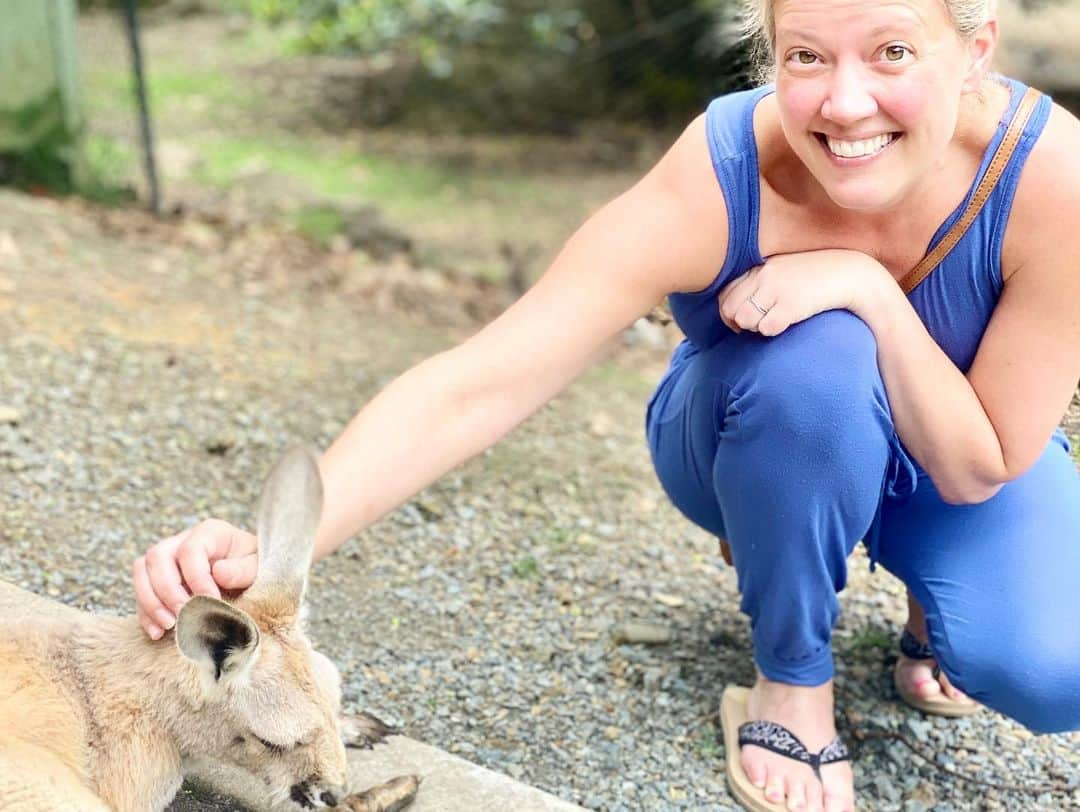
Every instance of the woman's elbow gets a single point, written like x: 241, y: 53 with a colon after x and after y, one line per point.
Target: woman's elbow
x: 970, y: 494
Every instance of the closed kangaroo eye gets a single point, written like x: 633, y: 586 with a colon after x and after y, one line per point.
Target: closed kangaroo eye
x: 276, y: 749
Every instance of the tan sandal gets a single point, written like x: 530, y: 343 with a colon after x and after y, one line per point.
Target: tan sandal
x: 939, y: 705
x: 739, y: 730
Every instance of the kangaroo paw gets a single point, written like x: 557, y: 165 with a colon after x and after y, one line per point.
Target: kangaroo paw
x: 395, y: 794
x: 364, y: 731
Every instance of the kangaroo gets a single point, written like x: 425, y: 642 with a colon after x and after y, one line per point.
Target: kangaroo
x: 95, y: 716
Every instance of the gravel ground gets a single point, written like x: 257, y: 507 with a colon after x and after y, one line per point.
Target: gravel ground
x: 149, y: 376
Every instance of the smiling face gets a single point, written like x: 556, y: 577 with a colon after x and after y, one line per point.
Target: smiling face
x: 869, y: 92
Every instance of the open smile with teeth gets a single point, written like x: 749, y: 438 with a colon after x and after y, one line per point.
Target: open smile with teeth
x: 857, y: 149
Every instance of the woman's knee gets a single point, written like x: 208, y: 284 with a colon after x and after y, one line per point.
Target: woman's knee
x: 1034, y: 680
x: 817, y: 387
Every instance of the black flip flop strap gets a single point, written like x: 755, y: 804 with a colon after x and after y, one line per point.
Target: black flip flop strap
x: 911, y: 648
x: 778, y: 739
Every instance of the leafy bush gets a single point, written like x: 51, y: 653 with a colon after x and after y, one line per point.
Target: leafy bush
x: 534, y: 64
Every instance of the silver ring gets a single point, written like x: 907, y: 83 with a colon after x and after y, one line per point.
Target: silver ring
x: 762, y: 310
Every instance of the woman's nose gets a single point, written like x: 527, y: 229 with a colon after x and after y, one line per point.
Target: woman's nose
x: 850, y: 97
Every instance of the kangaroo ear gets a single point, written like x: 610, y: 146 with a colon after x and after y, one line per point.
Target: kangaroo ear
x: 221, y: 639
x: 289, y: 512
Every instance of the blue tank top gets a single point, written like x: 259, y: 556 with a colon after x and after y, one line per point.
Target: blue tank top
x: 955, y: 301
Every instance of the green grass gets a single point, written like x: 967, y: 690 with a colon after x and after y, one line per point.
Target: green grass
x: 526, y: 567
x: 318, y: 223
x: 707, y: 744
x: 331, y: 174
x: 108, y: 165
x: 403, y: 188
x: 170, y: 91
x: 561, y: 535
x: 869, y: 638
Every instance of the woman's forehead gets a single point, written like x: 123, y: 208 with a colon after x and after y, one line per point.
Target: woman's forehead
x: 794, y: 17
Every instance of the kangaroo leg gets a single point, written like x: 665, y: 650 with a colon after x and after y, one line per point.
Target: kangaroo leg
x: 394, y: 795
x: 32, y: 780
x: 364, y: 731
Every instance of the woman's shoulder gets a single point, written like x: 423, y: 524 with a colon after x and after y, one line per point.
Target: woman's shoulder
x: 1046, y: 206
x: 729, y: 122
x: 1058, y: 146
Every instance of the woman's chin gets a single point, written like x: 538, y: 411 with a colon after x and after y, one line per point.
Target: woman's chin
x: 867, y: 200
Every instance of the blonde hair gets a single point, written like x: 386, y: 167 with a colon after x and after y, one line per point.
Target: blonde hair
x: 758, y: 26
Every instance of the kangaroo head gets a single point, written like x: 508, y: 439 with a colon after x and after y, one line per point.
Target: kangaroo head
x: 267, y: 703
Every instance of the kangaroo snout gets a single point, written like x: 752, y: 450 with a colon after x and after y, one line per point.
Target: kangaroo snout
x: 313, y: 794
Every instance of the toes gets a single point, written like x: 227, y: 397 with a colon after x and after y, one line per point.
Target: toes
x: 839, y: 788
x: 835, y: 804
x: 796, y: 796
x: 774, y: 789
x: 839, y: 802
x: 918, y: 675
x: 951, y: 692
x: 814, y: 797
x: 755, y: 771
x: 927, y: 689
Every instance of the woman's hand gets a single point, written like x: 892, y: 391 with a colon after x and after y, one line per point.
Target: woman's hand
x: 790, y: 288
x: 211, y: 556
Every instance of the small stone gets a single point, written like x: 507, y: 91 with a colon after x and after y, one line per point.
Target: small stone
x: 924, y: 793
x: 601, y: 425
x: 921, y: 728
x: 637, y: 633
x: 860, y: 672
x: 671, y: 601
x: 650, y: 681
x: 886, y: 789
x: 430, y: 510
x: 220, y: 444
x: 10, y: 415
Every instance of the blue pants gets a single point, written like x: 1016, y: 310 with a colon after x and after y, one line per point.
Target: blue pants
x: 785, y: 447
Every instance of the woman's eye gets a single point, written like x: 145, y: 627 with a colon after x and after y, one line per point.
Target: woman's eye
x: 895, y: 53
x: 805, y: 57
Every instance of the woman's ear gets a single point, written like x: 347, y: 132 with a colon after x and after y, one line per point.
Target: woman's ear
x: 981, y: 48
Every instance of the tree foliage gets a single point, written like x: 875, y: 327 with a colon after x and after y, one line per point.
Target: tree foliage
x: 543, y: 64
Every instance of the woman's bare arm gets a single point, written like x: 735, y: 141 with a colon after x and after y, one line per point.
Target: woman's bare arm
x: 668, y: 233
x: 976, y: 432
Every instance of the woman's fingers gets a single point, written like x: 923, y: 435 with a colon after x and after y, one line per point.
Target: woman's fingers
x: 234, y: 558
x: 164, y: 575
x: 741, y: 304
x: 200, y: 561
x: 732, y: 296
x: 747, y: 314
x: 236, y: 573
x: 152, y: 614
x: 205, y: 543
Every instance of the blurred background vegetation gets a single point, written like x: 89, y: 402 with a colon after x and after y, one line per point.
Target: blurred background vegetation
x: 511, y: 65
x: 465, y: 135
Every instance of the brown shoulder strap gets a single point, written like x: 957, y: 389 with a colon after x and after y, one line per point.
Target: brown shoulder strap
x: 982, y: 193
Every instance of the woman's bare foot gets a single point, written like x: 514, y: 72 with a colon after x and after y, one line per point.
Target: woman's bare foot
x: 918, y: 676
x: 807, y: 713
